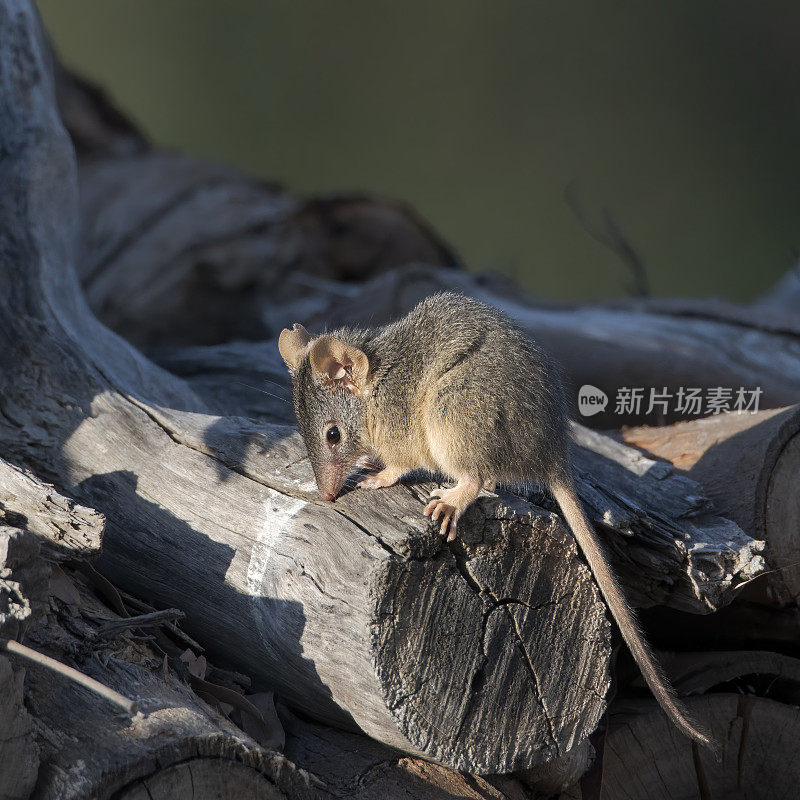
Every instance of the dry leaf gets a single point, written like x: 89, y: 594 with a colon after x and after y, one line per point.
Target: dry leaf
x: 63, y: 587
x: 267, y: 731
x: 197, y: 665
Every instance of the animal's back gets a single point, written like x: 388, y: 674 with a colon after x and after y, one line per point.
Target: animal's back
x: 492, y: 399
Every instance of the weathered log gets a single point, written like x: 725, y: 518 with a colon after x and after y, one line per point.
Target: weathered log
x: 661, y: 345
x: 66, y: 743
x: 354, y: 767
x: 671, y: 548
x: 175, y: 748
x: 155, y: 275
x: 217, y: 514
x: 645, y: 761
x: 255, y: 246
x: 758, y: 734
x: 23, y: 581
x: 748, y: 464
x: 178, y: 748
x: 67, y: 530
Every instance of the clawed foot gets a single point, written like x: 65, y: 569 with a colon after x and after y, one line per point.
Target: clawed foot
x: 438, y: 506
x: 386, y: 477
x: 450, y: 504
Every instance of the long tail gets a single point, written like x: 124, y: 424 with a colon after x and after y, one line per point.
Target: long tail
x: 564, y: 493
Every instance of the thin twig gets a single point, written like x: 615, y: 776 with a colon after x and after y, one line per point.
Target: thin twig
x: 142, y: 621
x: 11, y: 646
x: 612, y: 237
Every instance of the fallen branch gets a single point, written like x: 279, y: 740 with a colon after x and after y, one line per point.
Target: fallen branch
x: 28, y: 653
x: 111, y: 629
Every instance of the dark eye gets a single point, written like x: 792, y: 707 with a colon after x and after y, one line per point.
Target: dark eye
x: 332, y: 435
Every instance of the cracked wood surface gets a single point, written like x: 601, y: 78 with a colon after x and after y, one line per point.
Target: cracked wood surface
x: 67, y: 530
x: 646, y: 760
x: 215, y: 515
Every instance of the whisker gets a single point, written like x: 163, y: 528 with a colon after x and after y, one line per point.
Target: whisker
x: 263, y: 391
x: 274, y: 383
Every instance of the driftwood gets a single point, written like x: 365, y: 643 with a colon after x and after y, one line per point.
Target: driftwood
x: 73, y: 744
x: 23, y: 581
x: 659, y: 345
x: 749, y: 464
x: 644, y: 759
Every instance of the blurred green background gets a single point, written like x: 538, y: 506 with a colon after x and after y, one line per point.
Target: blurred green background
x: 682, y: 118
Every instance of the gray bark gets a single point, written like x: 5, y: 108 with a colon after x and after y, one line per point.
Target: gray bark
x: 749, y: 464
x: 658, y: 344
x: 67, y: 530
x: 154, y: 275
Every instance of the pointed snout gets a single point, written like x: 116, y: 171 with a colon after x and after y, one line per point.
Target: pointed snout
x: 330, y: 478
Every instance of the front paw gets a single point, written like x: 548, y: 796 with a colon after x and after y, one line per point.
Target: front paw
x: 380, y: 480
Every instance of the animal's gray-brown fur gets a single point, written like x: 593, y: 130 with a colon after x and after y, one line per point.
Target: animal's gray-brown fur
x: 454, y: 387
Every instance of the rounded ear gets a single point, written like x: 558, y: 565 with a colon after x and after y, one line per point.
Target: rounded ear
x: 339, y: 365
x: 293, y: 345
